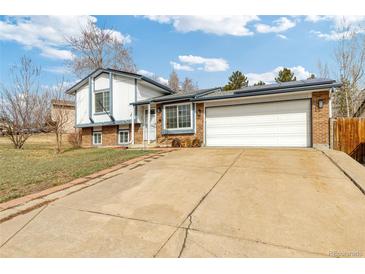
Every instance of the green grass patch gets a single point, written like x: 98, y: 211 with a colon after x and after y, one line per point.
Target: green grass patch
x: 38, y: 166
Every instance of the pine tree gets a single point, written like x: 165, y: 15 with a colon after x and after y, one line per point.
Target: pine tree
x: 285, y: 75
x: 259, y: 83
x: 236, y: 81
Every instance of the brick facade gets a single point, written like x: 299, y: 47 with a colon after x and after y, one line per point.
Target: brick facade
x: 110, y: 135
x: 86, y: 137
x: 320, y: 126
x: 166, y: 139
x: 320, y: 118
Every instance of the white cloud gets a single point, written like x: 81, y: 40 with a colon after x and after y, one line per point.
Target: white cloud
x: 269, y: 77
x: 342, y: 26
x: 58, y: 70
x: 280, y: 25
x: 191, y: 62
x: 282, y: 36
x: 150, y: 74
x: 47, y: 33
x: 220, y: 25
x: 177, y: 66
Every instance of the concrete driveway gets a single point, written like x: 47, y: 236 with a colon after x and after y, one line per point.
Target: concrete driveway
x: 202, y: 203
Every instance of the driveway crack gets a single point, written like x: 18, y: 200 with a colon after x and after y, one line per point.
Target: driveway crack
x: 20, y: 229
x: 197, y: 205
x: 185, y: 238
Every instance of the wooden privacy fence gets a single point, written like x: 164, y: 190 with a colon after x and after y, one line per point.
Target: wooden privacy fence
x: 349, y: 137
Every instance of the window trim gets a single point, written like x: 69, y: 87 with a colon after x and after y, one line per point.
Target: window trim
x: 102, y: 91
x: 101, y: 138
x: 123, y: 130
x: 177, y: 116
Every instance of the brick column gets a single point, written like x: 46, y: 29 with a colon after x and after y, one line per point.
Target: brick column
x: 86, y: 137
x: 110, y: 135
x: 320, y: 118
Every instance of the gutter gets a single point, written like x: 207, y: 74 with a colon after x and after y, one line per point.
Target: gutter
x: 258, y: 93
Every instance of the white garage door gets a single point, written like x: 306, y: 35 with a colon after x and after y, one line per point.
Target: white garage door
x: 265, y: 124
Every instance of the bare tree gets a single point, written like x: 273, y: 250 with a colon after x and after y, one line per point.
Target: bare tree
x: 323, y: 70
x: 350, y: 61
x: 23, y: 108
x: 174, y: 81
x: 99, y: 48
x: 61, y: 113
x: 188, y: 85
x: 348, y: 68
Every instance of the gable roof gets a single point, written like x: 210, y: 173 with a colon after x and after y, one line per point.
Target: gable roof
x: 99, y: 71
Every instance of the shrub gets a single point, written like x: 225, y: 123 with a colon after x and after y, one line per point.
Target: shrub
x: 196, y: 143
x: 176, y: 142
x: 186, y: 143
x: 75, y: 138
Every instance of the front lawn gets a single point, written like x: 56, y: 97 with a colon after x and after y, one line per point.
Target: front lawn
x: 38, y: 167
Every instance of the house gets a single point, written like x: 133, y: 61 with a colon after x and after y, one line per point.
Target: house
x: 121, y: 108
x: 360, y: 112
x: 67, y: 109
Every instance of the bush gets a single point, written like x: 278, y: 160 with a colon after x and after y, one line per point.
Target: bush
x: 75, y: 138
x: 186, y: 143
x: 176, y: 142
x: 196, y: 143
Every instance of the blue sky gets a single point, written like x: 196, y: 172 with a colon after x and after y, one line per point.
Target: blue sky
x: 204, y: 48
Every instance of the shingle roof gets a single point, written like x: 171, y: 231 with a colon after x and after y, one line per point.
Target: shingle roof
x: 293, y: 86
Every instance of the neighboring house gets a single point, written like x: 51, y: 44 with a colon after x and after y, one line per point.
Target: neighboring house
x: 67, y: 108
x: 361, y: 110
x: 119, y: 108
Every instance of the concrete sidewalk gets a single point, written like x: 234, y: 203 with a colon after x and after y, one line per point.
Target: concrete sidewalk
x: 202, y: 203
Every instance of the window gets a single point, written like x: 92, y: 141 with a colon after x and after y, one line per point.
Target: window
x: 178, y: 116
x: 123, y: 137
x: 102, y: 101
x: 97, y: 138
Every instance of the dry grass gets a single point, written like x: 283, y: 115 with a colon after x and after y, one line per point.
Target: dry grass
x: 38, y: 166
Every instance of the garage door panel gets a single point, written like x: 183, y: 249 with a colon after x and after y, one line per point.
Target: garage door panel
x: 268, y: 124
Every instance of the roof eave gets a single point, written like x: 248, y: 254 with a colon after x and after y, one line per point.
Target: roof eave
x: 273, y: 92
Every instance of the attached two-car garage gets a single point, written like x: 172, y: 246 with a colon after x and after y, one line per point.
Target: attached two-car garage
x: 284, y: 124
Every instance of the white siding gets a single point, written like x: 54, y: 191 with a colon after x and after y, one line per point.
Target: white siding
x: 82, y: 105
x: 123, y: 95
x: 146, y: 91
x: 102, y: 81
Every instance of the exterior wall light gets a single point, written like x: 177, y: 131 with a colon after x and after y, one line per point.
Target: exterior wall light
x: 320, y: 103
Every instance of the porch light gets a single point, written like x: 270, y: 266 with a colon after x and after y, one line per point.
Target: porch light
x: 320, y: 103
x: 159, y: 109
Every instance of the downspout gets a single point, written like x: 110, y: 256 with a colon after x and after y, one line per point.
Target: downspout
x: 90, y: 99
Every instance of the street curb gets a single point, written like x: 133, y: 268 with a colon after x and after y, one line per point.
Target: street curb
x: 22, y: 205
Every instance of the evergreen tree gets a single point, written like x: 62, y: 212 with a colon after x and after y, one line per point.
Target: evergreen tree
x: 285, y: 75
x: 259, y: 83
x: 236, y: 81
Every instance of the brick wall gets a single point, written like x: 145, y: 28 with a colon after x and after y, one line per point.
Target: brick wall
x: 110, y: 135
x: 138, y: 134
x: 166, y: 139
x: 86, y: 137
x: 320, y: 118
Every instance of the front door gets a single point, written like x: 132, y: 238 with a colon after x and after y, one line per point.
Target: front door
x: 152, y: 124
